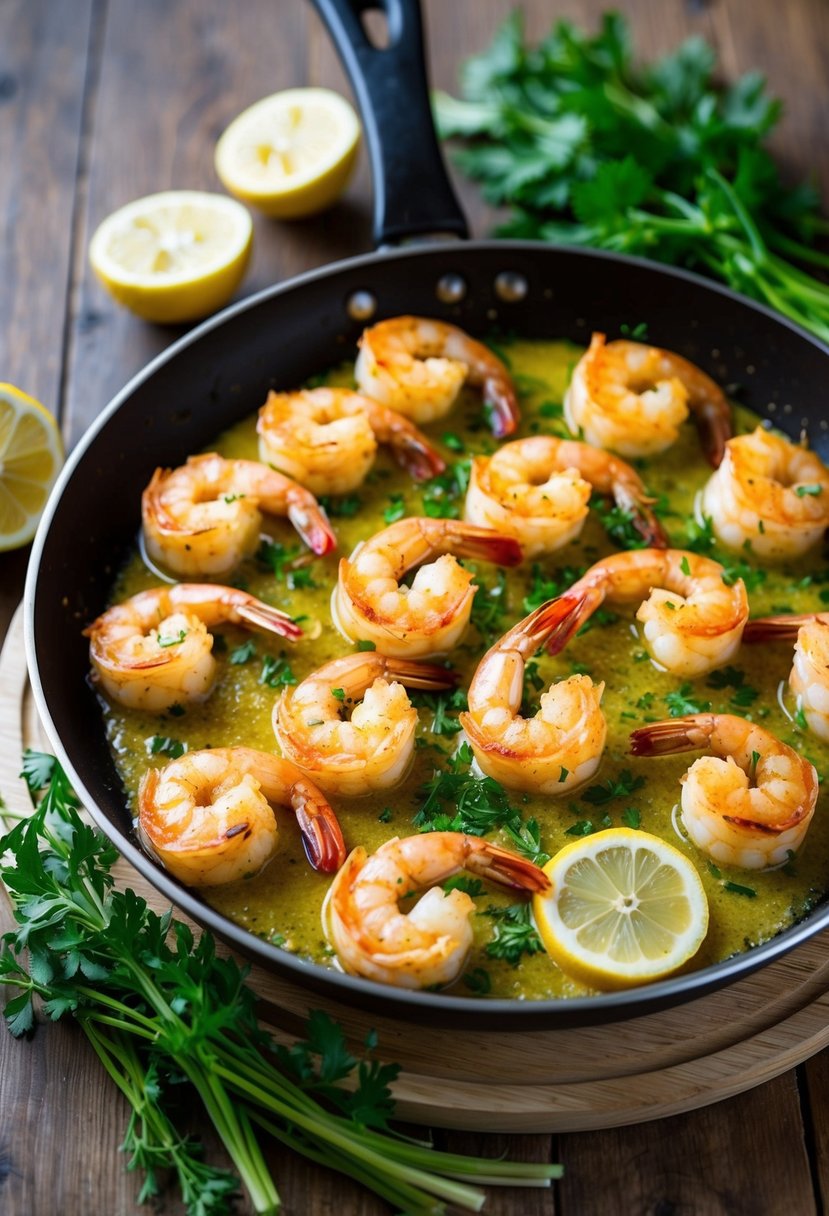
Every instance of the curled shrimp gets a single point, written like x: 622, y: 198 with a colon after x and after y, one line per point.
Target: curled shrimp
x: 204, y: 517
x: 537, y: 490
x: 693, y: 619
x: 326, y: 439
x: 207, y: 816
x: 633, y: 399
x: 418, y: 366
x: 370, y: 603
x: 557, y: 749
x: 429, y: 945
x: 769, y: 493
x: 750, y: 803
x: 154, y: 649
x: 809, y: 676
x: 373, y: 748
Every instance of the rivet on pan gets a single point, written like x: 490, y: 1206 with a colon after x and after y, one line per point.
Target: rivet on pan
x: 511, y: 286
x: 361, y: 306
x: 450, y: 289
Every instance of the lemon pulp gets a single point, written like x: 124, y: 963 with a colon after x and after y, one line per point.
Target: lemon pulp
x: 290, y: 154
x: 31, y: 454
x: 625, y: 908
x: 174, y: 256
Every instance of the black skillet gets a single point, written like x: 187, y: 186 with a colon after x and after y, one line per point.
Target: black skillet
x: 222, y: 371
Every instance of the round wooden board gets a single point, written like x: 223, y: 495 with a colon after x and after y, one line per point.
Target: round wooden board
x: 536, y: 1081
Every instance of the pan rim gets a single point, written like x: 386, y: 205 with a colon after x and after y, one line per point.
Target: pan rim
x: 509, y: 1014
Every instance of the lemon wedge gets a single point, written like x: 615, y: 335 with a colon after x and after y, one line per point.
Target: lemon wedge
x: 625, y: 908
x: 172, y: 257
x: 290, y: 154
x: 31, y: 454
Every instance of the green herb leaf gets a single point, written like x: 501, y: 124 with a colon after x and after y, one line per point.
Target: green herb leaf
x: 514, y: 934
x: 276, y: 672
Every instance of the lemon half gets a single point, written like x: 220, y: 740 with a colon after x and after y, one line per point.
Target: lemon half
x: 31, y: 454
x: 290, y: 154
x: 625, y: 908
x: 176, y: 256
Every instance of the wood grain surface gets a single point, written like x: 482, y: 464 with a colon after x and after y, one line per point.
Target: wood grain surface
x: 104, y: 100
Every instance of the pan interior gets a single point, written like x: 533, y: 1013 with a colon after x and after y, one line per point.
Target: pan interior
x: 223, y: 370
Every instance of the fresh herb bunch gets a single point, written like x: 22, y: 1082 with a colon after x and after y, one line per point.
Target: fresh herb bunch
x: 162, y: 1010
x: 590, y: 148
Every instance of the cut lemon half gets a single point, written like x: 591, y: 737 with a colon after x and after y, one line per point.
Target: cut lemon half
x: 625, y: 908
x: 176, y: 256
x: 290, y: 154
x: 31, y: 454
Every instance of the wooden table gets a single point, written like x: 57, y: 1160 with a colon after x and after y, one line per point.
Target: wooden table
x: 105, y: 100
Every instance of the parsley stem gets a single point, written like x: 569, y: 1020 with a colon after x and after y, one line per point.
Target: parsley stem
x: 402, y: 1195
x: 354, y: 1141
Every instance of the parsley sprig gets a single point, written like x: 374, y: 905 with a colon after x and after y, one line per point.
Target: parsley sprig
x: 160, y: 1008
x: 590, y: 148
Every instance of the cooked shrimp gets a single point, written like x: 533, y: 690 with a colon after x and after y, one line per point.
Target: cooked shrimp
x: 369, y: 602
x: 428, y: 945
x: 204, y: 517
x: 633, y: 399
x: 418, y: 366
x: 751, y: 803
x: 374, y: 747
x: 153, y: 650
x: 537, y: 490
x: 326, y: 438
x: 809, y: 676
x: 207, y: 815
x: 768, y: 493
x: 693, y: 621
x: 557, y: 749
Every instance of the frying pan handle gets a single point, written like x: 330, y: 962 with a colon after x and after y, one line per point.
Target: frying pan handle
x: 412, y: 193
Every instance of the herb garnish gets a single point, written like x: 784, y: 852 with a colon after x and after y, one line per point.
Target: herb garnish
x: 514, y: 934
x: 589, y: 147
x: 276, y: 673
x: 621, y: 786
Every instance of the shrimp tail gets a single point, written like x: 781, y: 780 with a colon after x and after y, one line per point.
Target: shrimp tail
x: 714, y: 427
x: 501, y: 406
x: 322, y: 836
x: 271, y: 620
x: 643, y: 518
x: 506, y: 869
x: 775, y: 628
x: 673, y: 735
x: 483, y: 544
x: 560, y: 619
x: 412, y: 674
x: 414, y: 453
x: 312, y: 526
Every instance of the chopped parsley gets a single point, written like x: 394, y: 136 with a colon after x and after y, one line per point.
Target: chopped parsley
x: 164, y: 745
x: 276, y: 672
x: 621, y: 786
x: 681, y: 701
x: 514, y: 934
x: 243, y: 653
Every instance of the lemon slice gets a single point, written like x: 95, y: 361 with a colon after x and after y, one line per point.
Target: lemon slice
x: 31, y: 454
x: 290, y: 154
x: 176, y: 256
x: 625, y: 908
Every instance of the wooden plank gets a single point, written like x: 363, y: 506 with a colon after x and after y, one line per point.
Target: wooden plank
x: 201, y: 66
x: 815, y: 1097
x: 745, y: 1157
x: 43, y: 49
x: 43, y: 57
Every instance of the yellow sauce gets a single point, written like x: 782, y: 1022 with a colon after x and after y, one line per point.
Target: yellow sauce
x: 282, y: 904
